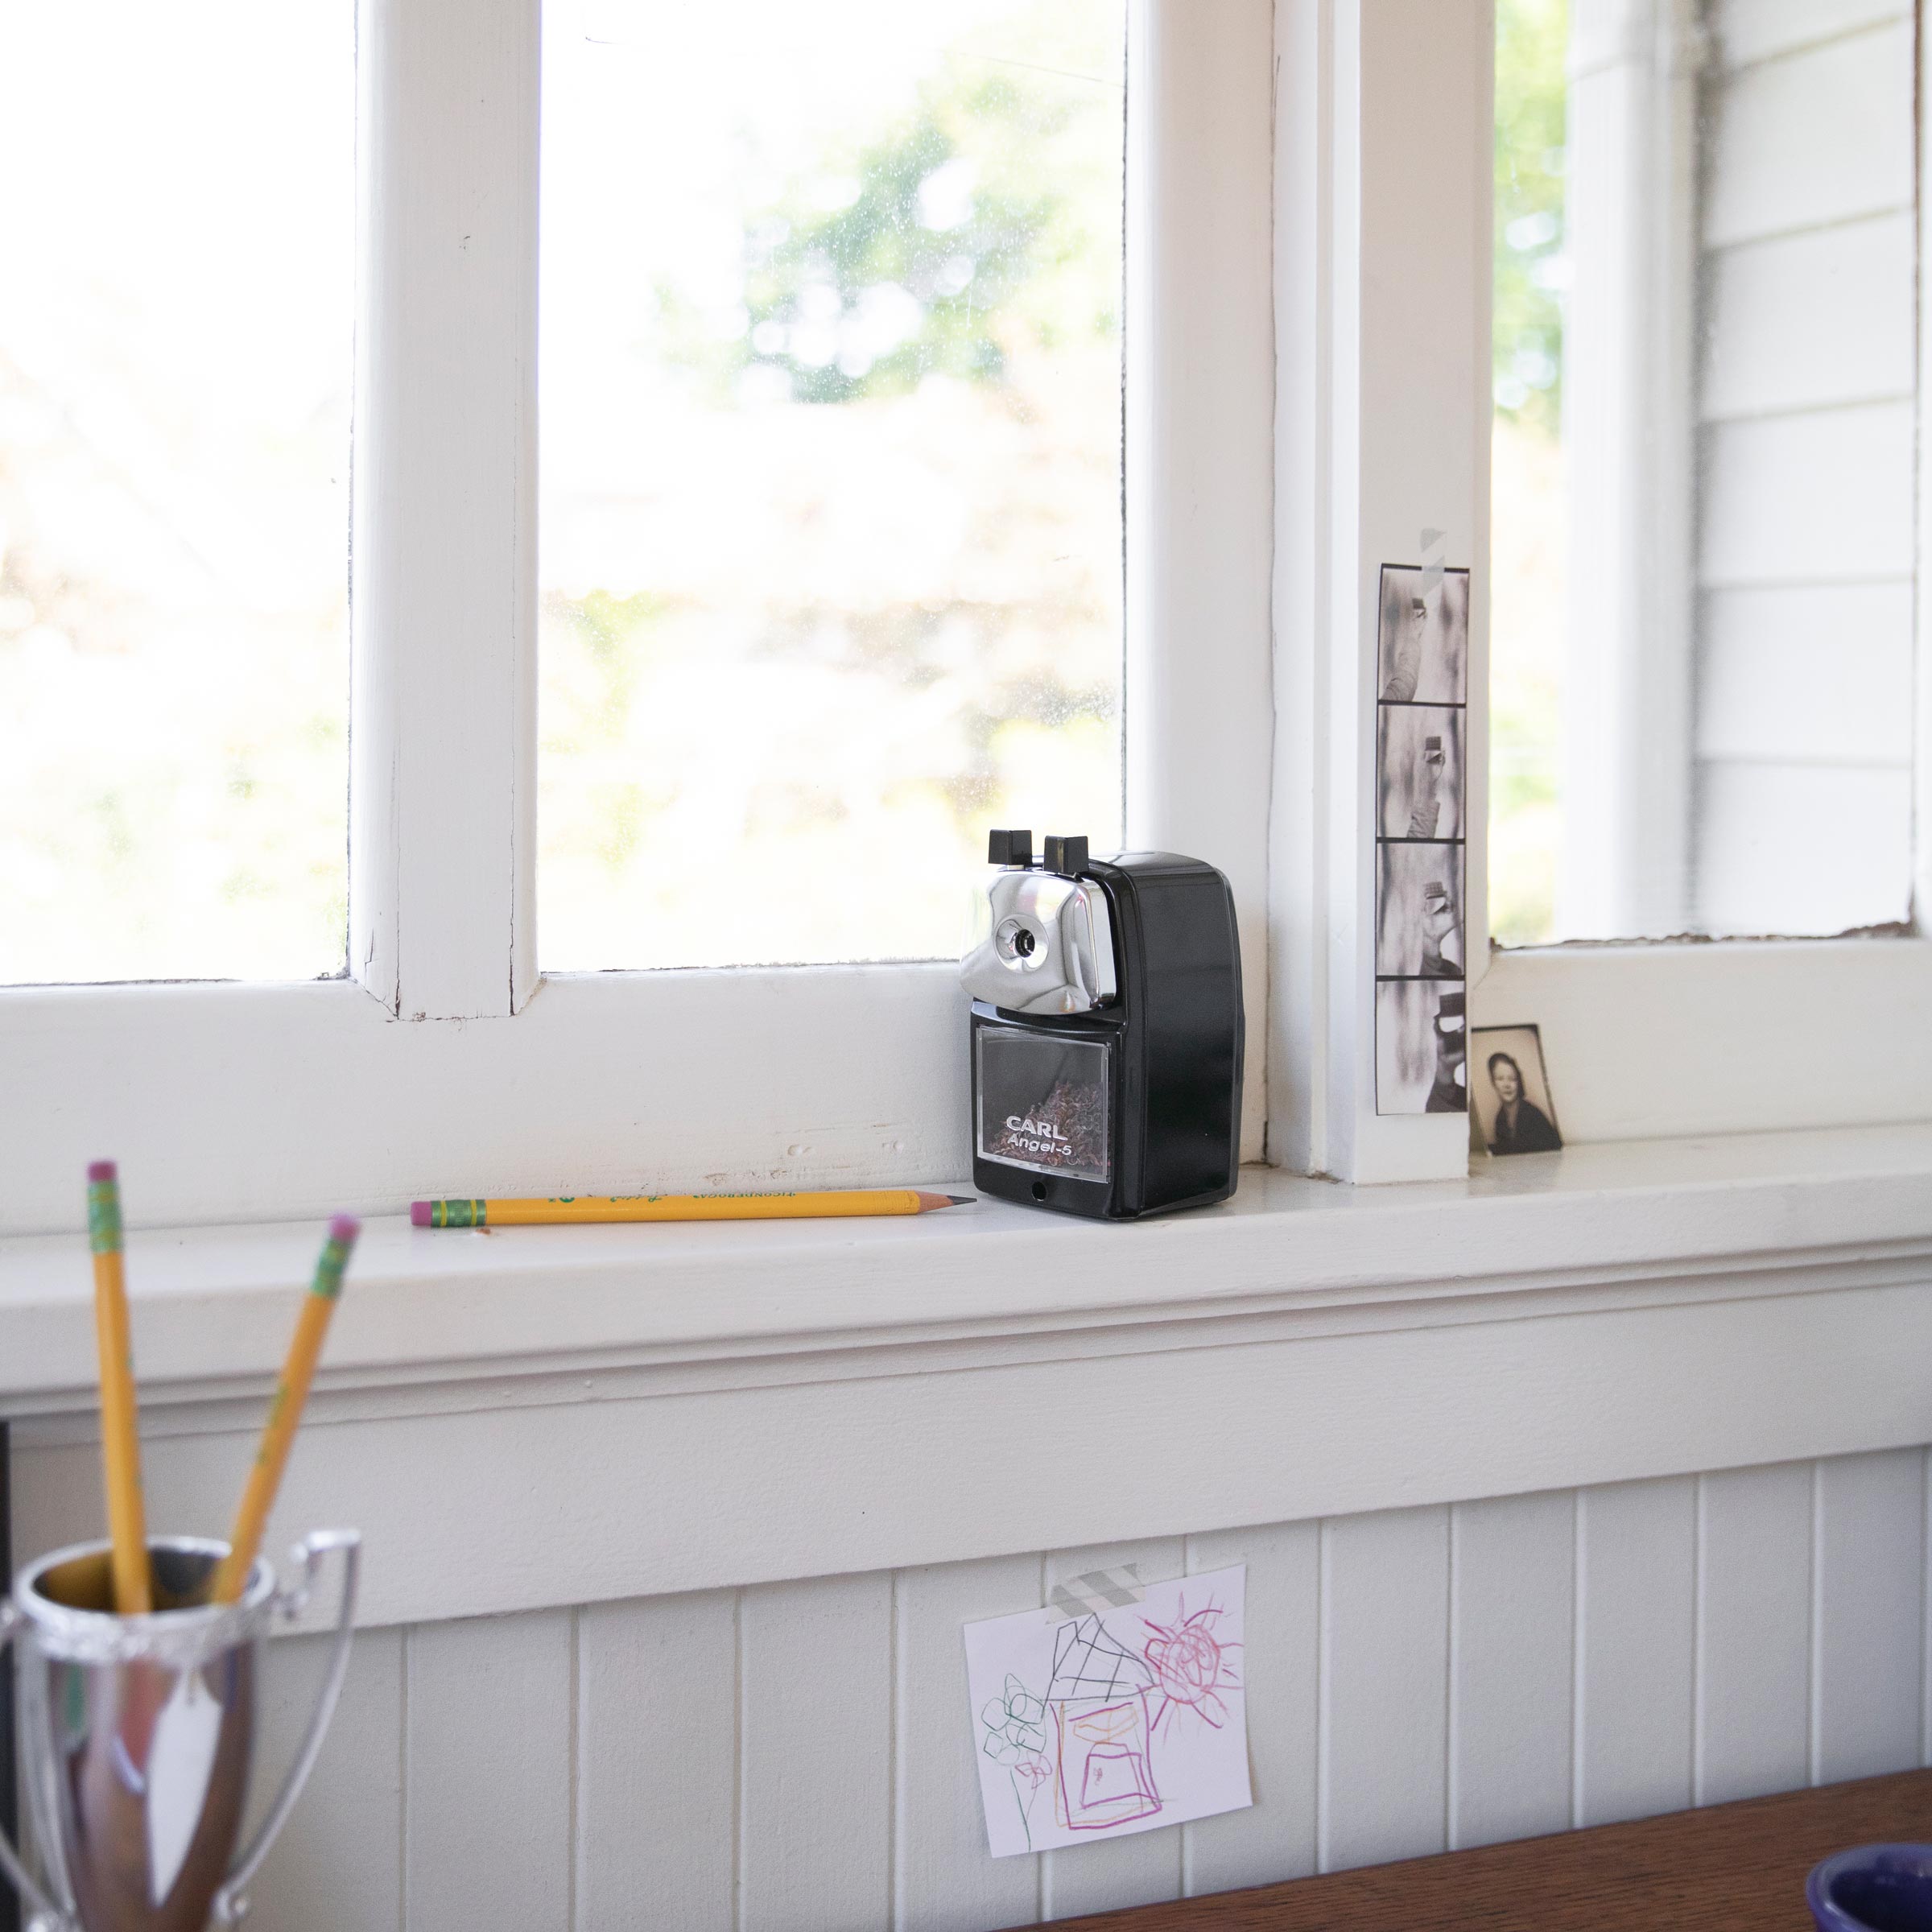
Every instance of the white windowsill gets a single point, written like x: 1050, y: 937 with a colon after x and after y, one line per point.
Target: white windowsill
x: 562, y: 1416
x: 1610, y: 1225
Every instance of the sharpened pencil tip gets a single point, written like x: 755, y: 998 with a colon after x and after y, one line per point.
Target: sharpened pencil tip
x: 102, y: 1170
x: 961, y: 1200
x: 935, y: 1204
x: 418, y: 1214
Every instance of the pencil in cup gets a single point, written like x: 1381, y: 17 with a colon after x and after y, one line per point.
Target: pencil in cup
x: 120, y: 1412
x: 563, y: 1209
x: 285, y: 1410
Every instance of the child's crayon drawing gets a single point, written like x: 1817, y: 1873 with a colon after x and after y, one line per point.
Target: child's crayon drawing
x: 1111, y: 1721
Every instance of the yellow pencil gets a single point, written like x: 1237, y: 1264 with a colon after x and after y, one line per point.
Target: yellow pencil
x: 285, y: 1410
x: 120, y: 1417
x: 567, y: 1208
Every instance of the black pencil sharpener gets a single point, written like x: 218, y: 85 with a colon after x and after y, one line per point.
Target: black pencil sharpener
x: 1106, y: 1031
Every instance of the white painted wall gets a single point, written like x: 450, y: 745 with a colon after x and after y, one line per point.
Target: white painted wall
x: 799, y: 1755
x: 1808, y: 269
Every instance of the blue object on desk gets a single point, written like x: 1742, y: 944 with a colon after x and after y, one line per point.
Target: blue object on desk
x: 1873, y: 1888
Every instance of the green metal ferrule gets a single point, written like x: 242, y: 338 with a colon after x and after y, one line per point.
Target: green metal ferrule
x: 329, y: 1268
x: 458, y: 1214
x: 104, y: 1217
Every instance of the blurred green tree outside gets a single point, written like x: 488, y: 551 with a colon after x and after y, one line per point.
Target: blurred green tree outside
x: 1532, y: 38
x: 945, y: 239
x: 937, y: 286
x: 921, y: 262
x: 1527, y: 561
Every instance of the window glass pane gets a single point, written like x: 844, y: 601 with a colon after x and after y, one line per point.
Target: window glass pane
x: 175, y: 372
x: 1703, y: 590
x: 1528, y: 527
x: 831, y: 510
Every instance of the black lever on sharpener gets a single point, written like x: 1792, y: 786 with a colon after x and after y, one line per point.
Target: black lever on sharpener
x: 1065, y: 856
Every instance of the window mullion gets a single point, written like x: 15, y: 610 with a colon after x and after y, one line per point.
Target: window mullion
x: 1382, y: 215
x: 1198, y: 448
x: 442, y: 818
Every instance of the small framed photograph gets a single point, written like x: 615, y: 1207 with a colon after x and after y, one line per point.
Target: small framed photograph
x: 1510, y: 1110
x: 1419, y: 771
x: 1420, y: 1062
x: 1418, y: 911
x: 1423, y: 657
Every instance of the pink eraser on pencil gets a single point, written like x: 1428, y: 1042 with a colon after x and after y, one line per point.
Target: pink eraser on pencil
x: 101, y: 1170
x: 418, y: 1214
x: 344, y: 1228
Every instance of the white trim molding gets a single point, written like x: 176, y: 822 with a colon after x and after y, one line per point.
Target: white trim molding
x: 226, y: 1103
x: 1383, y: 209
x: 442, y: 791
x: 1199, y: 449
x: 1730, y: 1037
x: 801, y: 1399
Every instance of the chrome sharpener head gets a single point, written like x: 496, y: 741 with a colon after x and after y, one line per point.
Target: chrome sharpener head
x: 1043, y: 940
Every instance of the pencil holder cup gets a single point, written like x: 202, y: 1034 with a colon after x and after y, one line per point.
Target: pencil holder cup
x: 137, y: 1731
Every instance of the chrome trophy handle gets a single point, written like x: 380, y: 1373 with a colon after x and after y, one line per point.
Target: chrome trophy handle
x: 46, y: 1913
x: 231, y: 1902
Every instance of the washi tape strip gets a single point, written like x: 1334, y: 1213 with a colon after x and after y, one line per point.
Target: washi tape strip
x: 1097, y: 1591
x: 1435, y: 555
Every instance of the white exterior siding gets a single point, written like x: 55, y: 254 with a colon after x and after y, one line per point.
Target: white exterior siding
x: 1808, y: 263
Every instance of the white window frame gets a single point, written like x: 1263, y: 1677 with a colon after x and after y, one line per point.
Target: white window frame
x: 1286, y: 436
x: 1383, y: 199
x: 1383, y: 161
x: 445, y: 1062
x: 1734, y: 1036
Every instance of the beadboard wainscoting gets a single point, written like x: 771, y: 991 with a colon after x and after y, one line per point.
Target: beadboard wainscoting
x: 800, y: 1755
